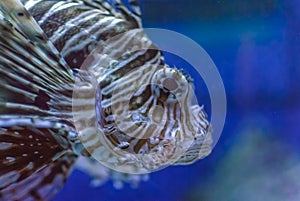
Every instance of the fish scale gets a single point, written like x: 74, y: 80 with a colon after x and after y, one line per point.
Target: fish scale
x: 145, y: 127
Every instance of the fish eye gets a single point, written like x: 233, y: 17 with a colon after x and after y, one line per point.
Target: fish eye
x: 170, y: 84
x: 170, y: 81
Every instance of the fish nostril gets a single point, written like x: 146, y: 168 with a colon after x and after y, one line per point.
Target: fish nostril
x: 170, y: 84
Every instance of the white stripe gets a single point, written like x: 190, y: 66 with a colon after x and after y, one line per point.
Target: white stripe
x: 29, y: 4
x: 55, y: 8
x: 72, y: 45
x: 83, y: 17
x: 9, y: 121
x: 144, y: 78
x: 115, y: 46
x: 27, y: 94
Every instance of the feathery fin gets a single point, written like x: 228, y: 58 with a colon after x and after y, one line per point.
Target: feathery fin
x: 33, y: 156
x: 42, y: 185
x: 15, y: 12
x: 34, y: 78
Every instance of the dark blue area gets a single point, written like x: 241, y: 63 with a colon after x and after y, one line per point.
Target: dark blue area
x: 257, y: 53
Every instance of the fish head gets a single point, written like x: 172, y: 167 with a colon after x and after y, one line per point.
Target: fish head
x: 145, y: 111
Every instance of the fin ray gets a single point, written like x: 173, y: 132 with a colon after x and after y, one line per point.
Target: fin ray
x: 42, y: 185
x: 28, y: 150
x: 15, y: 12
x: 33, y: 75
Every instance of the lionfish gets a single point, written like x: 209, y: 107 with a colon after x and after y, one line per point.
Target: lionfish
x: 137, y: 115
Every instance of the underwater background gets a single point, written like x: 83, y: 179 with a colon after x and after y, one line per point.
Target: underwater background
x: 256, y: 48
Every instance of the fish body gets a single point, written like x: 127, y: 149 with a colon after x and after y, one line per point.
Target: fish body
x: 141, y: 105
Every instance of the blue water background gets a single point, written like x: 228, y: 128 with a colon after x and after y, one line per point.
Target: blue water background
x: 256, y: 47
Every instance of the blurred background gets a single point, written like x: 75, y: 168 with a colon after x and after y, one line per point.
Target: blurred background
x: 256, y: 47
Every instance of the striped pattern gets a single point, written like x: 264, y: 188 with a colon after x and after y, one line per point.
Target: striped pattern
x: 36, y: 158
x: 142, y: 105
x: 77, y: 27
x: 132, y: 110
x: 34, y: 78
x: 42, y: 185
x: 35, y: 109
